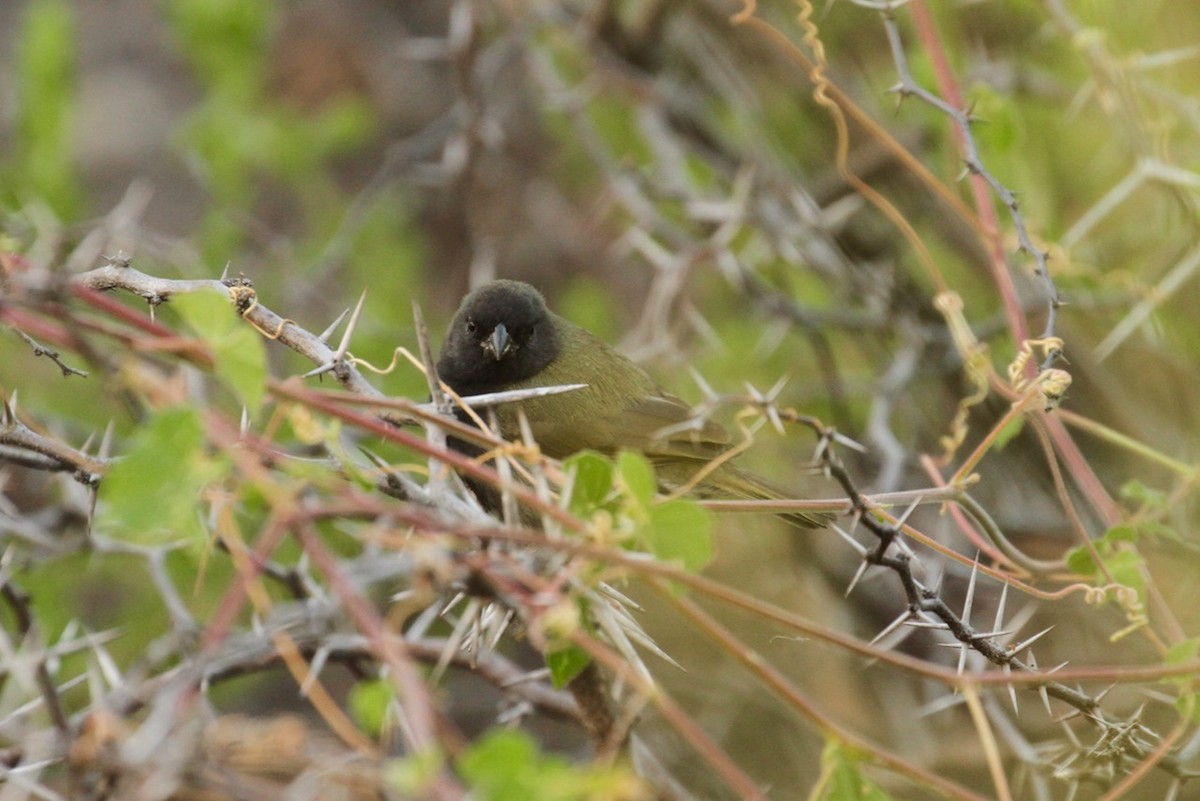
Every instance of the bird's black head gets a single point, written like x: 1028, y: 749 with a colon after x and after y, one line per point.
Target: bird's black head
x: 501, y: 335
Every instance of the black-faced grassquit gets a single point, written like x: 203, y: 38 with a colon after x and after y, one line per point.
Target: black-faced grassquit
x: 503, y: 337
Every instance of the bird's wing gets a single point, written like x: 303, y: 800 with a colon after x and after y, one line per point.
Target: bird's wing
x: 658, y: 425
x: 663, y: 425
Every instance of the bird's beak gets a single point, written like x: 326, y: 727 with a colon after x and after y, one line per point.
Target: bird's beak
x: 498, y: 343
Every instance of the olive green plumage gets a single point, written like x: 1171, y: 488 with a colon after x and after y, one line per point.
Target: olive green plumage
x: 504, y: 337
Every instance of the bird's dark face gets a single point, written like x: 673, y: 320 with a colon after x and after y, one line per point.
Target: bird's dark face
x: 501, y: 335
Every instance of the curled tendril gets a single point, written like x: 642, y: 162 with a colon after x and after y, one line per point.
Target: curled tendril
x: 1052, y: 383
x: 245, y: 300
x: 1016, y: 370
x: 975, y: 361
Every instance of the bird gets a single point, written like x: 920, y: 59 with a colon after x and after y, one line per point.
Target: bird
x: 505, y: 337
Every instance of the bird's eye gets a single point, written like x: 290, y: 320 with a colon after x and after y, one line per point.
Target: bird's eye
x: 471, y: 326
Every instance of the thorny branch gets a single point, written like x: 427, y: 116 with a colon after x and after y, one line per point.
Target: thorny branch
x: 671, y: 249
x: 51, y: 354
x: 926, y: 606
x: 119, y: 274
x: 889, y: 552
x: 32, y: 449
x: 973, y: 160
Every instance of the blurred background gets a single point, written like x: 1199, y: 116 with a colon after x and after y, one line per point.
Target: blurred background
x: 665, y: 177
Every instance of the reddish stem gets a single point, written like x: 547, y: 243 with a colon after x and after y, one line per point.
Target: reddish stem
x: 927, y: 32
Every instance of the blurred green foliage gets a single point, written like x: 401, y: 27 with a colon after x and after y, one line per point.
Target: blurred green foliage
x: 239, y: 352
x: 565, y: 663
x: 843, y: 778
x: 238, y: 138
x: 247, y: 146
x: 370, y: 702
x: 589, y: 304
x: 676, y: 530
x: 42, y: 166
x: 150, y: 494
x: 619, y: 496
x: 507, y: 766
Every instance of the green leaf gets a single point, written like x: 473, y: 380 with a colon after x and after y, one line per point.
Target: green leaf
x: 677, y: 530
x: 369, y: 701
x: 1187, y: 707
x: 241, y: 360
x: 1147, y: 497
x: 1119, y: 533
x: 1010, y: 430
x: 593, y: 481
x: 1160, y: 531
x: 844, y: 780
x: 1126, y: 567
x: 414, y: 774
x: 503, y: 766
x: 507, y: 766
x: 149, y: 494
x: 566, y: 663
x: 1183, y: 652
x: 1180, y: 654
x: 637, y: 476
x: 1080, y: 562
x: 1120, y: 559
x: 680, y: 530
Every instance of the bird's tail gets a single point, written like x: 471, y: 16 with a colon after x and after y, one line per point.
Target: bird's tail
x: 729, y: 482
